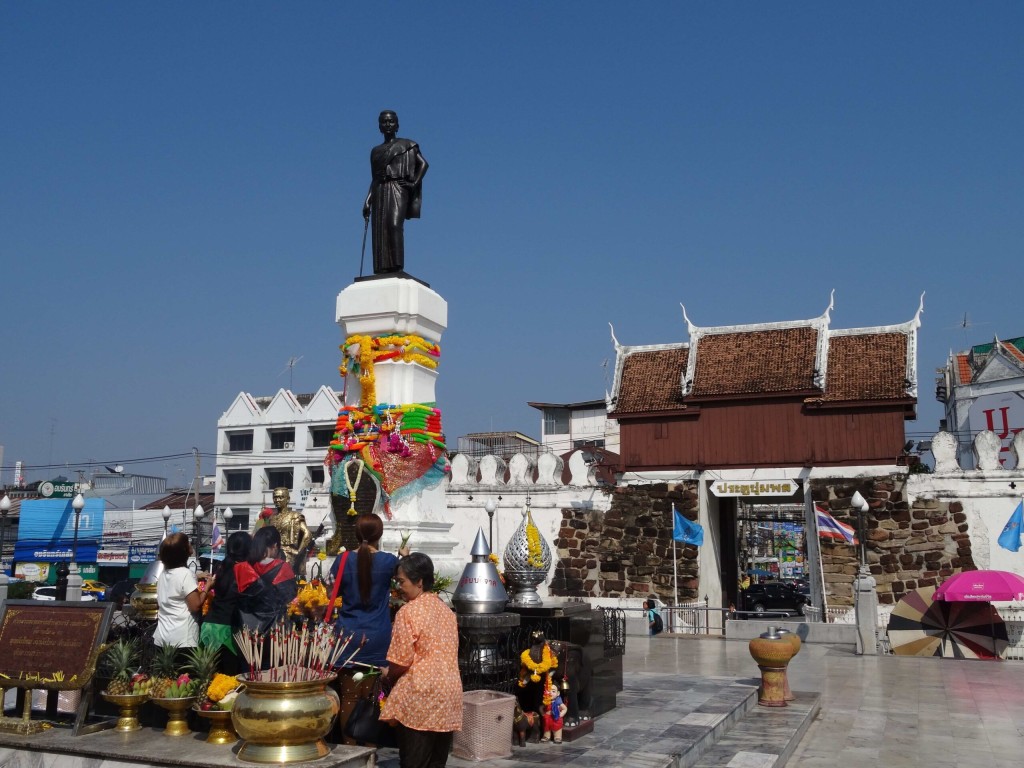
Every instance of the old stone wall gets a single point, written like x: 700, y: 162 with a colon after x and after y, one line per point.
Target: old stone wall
x: 627, y: 551
x: 908, y: 544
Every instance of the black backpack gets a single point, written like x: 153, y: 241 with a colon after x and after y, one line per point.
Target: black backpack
x: 659, y: 625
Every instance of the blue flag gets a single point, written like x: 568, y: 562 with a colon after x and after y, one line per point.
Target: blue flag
x: 1010, y: 537
x: 685, y: 531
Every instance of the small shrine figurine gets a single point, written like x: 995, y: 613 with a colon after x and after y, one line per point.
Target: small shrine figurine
x: 553, y: 712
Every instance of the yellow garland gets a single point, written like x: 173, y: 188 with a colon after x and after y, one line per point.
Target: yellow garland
x: 548, y: 661
x: 221, y: 686
x: 534, y: 553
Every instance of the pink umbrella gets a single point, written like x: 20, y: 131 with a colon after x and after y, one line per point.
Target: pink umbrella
x: 981, y: 586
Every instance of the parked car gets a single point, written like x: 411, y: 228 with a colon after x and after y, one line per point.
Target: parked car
x: 93, y: 587
x: 50, y: 593
x: 774, y: 597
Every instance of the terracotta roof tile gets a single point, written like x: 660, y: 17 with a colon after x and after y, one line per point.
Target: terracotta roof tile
x: 869, y: 366
x: 1010, y: 348
x: 777, y: 360
x: 963, y: 369
x: 651, y: 381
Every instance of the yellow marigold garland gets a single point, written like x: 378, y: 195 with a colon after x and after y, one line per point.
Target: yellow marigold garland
x: 534, y: 553
x: 548, y: 661
x: 360, y: 352
x: 220, y: 686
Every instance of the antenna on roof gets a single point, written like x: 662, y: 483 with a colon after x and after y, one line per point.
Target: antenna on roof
x: 964, y: 325
x: 290, y: 367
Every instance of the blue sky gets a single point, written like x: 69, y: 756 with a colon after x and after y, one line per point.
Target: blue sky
x: 181, y: 186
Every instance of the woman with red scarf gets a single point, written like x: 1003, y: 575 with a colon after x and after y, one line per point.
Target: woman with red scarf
x: 266, y: 583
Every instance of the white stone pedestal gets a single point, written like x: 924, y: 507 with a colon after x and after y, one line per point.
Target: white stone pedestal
x: 384, y: 307
x: 387, y: 306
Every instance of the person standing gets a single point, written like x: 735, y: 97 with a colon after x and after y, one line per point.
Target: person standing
x: 655, y: 625
x: 396, y: 192
x: 266, y: 583
x: 178, y: 596
x: 221, y: 619
x: 425, y: 705
x: 365, y: 593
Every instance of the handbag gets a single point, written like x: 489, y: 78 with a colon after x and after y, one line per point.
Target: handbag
x: 364, y: 724
x: 337, y: 583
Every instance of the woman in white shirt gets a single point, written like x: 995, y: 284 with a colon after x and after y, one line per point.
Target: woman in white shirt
x: 178, y: 596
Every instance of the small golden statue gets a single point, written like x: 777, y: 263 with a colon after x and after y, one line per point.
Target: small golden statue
x: 295, y: 536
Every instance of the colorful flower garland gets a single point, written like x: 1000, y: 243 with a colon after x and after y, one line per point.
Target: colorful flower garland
x: 361, y: 352
x: 548, y: 661
x: 396, y: 425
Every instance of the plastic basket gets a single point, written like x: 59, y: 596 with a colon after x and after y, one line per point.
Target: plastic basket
x: 486, y: 726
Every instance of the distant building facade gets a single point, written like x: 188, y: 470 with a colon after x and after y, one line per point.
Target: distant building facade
x: 983, y: 389
x: 270, y: 442
x: 567, y: 427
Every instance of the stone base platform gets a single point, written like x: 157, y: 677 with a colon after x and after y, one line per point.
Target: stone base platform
x: 149, y: 746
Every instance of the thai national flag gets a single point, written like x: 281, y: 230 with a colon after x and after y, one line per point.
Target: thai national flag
x: 830, y: 528
x: 218, y: 538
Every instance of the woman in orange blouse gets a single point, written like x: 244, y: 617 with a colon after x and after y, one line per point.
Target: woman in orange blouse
x: 425, y: 705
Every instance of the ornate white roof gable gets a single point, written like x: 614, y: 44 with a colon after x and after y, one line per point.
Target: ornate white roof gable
x: 284, y: 407
x: 242, y: 411
x: 324, y: 405
x: 1000, y: 364
x: 621, y: 353
x: 909, y: 329
x: 819, y: 324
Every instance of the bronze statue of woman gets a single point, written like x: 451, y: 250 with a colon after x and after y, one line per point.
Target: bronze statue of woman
x: 395, y: 193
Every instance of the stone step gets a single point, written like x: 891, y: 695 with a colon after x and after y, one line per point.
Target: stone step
x: 764, y: 738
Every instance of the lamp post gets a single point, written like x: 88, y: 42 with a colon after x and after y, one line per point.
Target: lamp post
x: 197, y: 514
x: 5, y: 507
x: 865, y: 596
x: 489, y: 507
x: 74, y: 588
x: 166, y: 514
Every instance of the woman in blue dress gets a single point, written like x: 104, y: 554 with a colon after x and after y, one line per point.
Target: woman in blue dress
x: 365, y: 595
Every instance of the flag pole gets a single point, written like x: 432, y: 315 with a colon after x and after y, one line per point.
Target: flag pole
x: 675, y: 571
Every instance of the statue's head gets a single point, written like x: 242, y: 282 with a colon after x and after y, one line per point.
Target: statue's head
x: 388, y: 121
x: 281, y: 498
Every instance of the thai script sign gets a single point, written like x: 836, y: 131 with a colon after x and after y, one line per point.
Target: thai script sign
x: 728, y: 489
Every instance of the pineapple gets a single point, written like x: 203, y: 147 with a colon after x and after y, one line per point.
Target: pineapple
x: 119, y: 661
x: 164, y: 670
x: 202, y: 663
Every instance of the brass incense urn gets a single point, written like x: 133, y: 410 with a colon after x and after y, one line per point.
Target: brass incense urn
x: 143, y: 599
x: 284, y: 722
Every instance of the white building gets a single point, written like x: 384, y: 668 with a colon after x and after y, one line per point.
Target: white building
x: 270, y: 442
x: 983, y: 389
x: 570, y: 426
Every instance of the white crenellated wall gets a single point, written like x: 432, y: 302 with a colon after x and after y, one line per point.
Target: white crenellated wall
x: 988, y: 494
x: 474, y: 481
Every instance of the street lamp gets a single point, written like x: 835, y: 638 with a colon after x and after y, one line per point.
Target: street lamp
x: 198, y: 513
x: 5, y: 507
x: 166, y: 513
x: 74, y: 587
x: 861, y: 505
x: 489, y: 507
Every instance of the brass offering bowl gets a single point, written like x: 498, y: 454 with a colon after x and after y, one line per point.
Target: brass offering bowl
x: 284, y: 722
x: 129, y: 704
x: 177, y: 714
x: 221, y: 729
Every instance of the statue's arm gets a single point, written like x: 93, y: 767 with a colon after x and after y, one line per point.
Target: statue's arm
x: 366, y: 203
x: 421, y: 169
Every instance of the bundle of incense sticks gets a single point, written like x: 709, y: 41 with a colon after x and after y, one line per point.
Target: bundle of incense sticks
x: 294, y: 654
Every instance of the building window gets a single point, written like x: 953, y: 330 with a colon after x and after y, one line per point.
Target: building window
x: 556, y: 421
x: 280, y: 478
x: 238, y: 480
x: 282, y: 439
x: 316, y: 475
x: 240, y: 442
x: 320, y: 437
x: 582, y: 445
x: 239, y: 521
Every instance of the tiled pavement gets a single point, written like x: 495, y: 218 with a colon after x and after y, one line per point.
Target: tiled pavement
x: 890, y: 711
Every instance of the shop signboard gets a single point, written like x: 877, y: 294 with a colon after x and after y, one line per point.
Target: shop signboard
x: 112, y: 557
x: 117, y: 528
x: 46, y: 530
x: 58, y: 489
x: 142, y: 553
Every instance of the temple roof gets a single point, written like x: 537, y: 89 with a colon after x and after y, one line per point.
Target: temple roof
x: 801, y: 358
